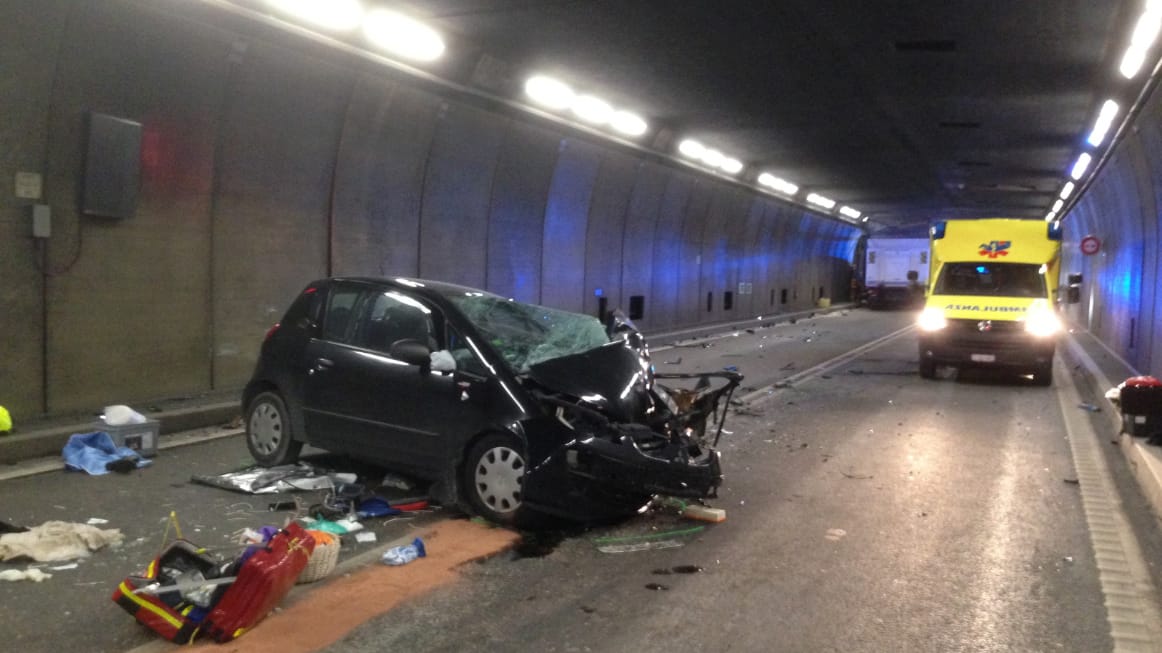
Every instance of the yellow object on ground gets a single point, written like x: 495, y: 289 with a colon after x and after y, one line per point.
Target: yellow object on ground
x: 5, y: 420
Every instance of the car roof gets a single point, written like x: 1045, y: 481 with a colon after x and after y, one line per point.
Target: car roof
x: 421, y: 286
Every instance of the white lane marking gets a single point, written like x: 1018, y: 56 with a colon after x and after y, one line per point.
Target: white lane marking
x: 1131, y: 609
x: 771, y: 390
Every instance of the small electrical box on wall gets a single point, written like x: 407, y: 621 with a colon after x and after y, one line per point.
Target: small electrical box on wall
x: 41, y: 215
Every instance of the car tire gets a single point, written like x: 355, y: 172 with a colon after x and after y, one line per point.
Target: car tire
x: 1043, y: 375
x: 494, y: 471
x: 927, y: 368
x: 268, y: 431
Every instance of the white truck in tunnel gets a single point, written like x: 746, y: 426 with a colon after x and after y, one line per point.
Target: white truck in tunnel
x: 895, y: 272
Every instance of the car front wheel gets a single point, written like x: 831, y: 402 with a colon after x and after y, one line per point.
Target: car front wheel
x: 494, y: 474
x: 268, y: 431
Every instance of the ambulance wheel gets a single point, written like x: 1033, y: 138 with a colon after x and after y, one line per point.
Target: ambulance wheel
x: 494, y: 473
x: 1043, y: 375
x: 927, y: 368
x: 268, y: 431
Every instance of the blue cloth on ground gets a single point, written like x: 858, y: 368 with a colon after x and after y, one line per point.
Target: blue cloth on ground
x: 375, y: 507
x: 91, y: 452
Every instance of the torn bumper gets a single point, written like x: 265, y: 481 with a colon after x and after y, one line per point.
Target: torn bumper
x: 597, y: 476
x: 644, y: 464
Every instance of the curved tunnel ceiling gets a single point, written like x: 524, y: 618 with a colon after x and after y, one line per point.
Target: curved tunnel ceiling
x: 906, y: 111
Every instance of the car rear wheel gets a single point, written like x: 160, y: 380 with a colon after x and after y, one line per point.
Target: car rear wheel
x: 494, y: 474
x: 268, y: 431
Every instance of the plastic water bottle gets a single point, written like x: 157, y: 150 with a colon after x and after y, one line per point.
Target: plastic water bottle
x: 403, y: 554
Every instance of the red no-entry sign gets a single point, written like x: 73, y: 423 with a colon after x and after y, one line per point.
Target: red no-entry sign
x: 1090, y: 245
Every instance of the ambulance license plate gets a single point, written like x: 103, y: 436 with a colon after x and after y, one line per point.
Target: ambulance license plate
x: 984, y: 358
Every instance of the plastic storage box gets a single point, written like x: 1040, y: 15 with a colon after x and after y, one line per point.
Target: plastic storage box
x: 142, y: 438
x: 1141, y: 403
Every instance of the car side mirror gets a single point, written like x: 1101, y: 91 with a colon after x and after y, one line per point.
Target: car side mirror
x: 412, y: 352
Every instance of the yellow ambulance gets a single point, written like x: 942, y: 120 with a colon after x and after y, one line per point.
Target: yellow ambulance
x: 990, y: 301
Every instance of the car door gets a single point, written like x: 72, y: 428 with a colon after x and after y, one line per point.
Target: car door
x: 382, y: 408
x: 331, y: 388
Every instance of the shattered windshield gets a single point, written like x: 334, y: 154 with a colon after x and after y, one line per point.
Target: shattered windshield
x: 526, y: 334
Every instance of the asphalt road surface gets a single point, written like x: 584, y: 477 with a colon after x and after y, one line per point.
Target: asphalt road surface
x: 867, y: 510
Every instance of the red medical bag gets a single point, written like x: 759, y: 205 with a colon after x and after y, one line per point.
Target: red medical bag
x: 221, y: 599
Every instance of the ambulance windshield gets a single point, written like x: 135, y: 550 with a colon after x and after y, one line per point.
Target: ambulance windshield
x: 991, y: 279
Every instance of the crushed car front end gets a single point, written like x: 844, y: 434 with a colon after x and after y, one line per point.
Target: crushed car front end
x: 604, y: 453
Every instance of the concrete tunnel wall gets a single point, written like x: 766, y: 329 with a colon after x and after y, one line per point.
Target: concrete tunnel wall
x: 1122, y: 284
x: 268, y: 161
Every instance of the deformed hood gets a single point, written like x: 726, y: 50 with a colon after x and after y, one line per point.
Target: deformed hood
x: 610, y: 378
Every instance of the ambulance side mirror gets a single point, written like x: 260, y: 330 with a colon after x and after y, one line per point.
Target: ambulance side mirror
x: 1073, y: 291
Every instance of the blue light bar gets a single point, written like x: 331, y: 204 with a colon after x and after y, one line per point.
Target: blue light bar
x: 1055, y: 230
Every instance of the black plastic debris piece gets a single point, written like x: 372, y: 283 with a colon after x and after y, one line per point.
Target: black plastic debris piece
x: 1072, y: 481
x: 122, y: 465
x: 538, y: 544
x: 5, y: 527
x: 657, y: 587
x: 686, y: 569
x: 588, y: 610
x: 661, y: 572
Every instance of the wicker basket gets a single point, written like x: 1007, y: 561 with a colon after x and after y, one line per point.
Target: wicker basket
x: 323, y: 558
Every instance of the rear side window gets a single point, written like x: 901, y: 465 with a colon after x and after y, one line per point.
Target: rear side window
x: 992, y: 279
x: 340, y: 308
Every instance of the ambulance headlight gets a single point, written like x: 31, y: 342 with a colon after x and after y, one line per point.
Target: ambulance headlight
x: 1042, y: 322
x: 931, y: 319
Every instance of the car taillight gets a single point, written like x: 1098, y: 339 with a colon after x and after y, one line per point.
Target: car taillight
x: 270, y: 332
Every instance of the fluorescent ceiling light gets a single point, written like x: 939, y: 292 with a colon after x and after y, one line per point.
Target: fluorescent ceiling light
x: 781, y: 185
x: 549, y: 92
x: 691, y: 148
x: 1145, y: 33
x: 1067, y: 190
x: 1132, y: 62
x: 1050, y: 216
x: 592, y: 109
x: 1081, y: 165
x: 820, y: 200
x: 712, y: 157
x: 850, y: 212
x: 731, y: 165
x: 1105, y: 118
x: 628, y: 123
x: 337, y: 15
x: 402, y: 35
x: 1057, y: 206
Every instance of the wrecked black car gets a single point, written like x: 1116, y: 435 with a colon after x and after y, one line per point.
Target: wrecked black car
x: 503, y: 406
